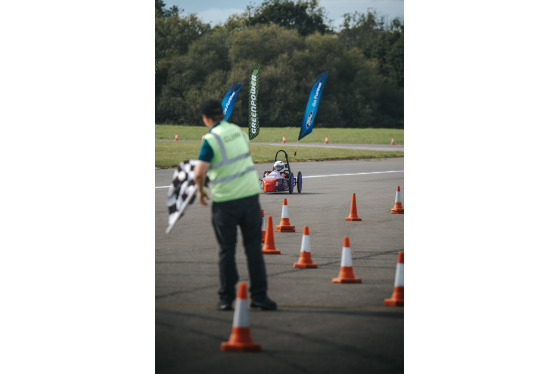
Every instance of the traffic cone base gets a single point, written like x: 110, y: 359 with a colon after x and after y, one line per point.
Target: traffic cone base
x: 269, y: 248
x: 397, y: 209
x: 284, y: 228
x: 346, y: 275
x: 305, y: 266
x: 353, y: 216
x: 270, y: 252
x: 240, y: 340
x: 352, y: 219
x: 339, y: 280
x: 397, y: 298
x: 305, y: 261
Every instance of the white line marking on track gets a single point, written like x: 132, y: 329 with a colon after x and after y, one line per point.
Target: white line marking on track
x: 338, y: 175
x: 351, y: 174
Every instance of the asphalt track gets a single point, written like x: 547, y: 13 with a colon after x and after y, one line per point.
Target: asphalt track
x: 368, y: 147
x: 319, y: 327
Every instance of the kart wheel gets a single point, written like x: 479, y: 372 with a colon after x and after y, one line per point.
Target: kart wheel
x: 291, y: 184
x: 299, y: 180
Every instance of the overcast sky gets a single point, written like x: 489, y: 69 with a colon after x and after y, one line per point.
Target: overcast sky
x: 217, y: 11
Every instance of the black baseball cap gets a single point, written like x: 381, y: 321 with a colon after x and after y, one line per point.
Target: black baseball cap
x: 211, y: 108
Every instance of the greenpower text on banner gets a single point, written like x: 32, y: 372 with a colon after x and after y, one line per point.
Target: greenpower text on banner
x: 253, y: 108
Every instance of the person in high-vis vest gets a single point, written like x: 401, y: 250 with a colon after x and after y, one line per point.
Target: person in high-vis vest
x: 225, y: 158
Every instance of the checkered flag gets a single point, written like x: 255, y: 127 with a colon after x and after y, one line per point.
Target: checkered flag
x: 182, y: 192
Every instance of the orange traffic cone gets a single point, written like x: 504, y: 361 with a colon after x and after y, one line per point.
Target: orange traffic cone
x: 346, y: 274
x: 283, y: 138
x: 326, y: 139
x: 305, y: 261
x: 397, y: 299
x: 285, y: 225
x: 240, y: 339
x: 176, y: 137
x: 398, y: 209
x: 202, y: 137
x: 392, y: 141
x: 263, y: 227
x: 353, y: 216
x: 269, y: 248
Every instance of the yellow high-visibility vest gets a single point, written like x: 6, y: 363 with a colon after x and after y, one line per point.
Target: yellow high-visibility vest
x: 232, y: 173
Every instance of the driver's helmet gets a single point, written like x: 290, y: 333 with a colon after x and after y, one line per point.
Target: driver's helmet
x: 279, y: 166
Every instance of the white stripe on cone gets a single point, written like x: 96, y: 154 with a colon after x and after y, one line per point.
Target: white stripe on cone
x: 305, y: 243
x: 285, y: 213
x: 399, y: 276
x: 346, y: 260
x: 241, y: 315
x: 263, y: 225
x: 398, y: 197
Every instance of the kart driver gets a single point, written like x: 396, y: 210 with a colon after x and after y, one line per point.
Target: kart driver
x: 279, y: 167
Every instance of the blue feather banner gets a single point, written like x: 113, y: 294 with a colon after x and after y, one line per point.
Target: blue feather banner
x: 229, y: 99
x: 312, y: 105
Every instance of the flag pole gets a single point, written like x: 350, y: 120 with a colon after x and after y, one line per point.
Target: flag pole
x: 296, y: 148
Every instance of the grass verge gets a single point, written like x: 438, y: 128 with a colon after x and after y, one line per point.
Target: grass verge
x: 274, y: 134
x: 170, y: 154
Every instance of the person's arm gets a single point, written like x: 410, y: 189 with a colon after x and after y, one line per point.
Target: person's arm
x: 200, y: 177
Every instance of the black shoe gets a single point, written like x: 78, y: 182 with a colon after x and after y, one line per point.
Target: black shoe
x: 265, y: 304
x: 224, y: 305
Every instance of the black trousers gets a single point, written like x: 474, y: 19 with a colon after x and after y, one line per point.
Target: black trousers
x: 226, y: 216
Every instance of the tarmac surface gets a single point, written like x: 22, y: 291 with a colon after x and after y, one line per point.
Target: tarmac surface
x: 319, y: 327
x: 368, y: 147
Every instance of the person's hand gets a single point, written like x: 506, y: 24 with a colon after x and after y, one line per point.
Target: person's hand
x: 202, y: 196
x: 200, y: 177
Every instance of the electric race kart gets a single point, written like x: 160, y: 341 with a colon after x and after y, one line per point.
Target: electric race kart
x: 280, y: 181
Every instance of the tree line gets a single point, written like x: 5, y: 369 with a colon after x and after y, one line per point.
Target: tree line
x: 294, y: 44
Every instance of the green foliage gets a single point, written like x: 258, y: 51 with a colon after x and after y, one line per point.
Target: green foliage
x: 160, y: 5
x: 382, y: 43
x: 174, y: 35
x: 365, y: 87
x: 304, y: 16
